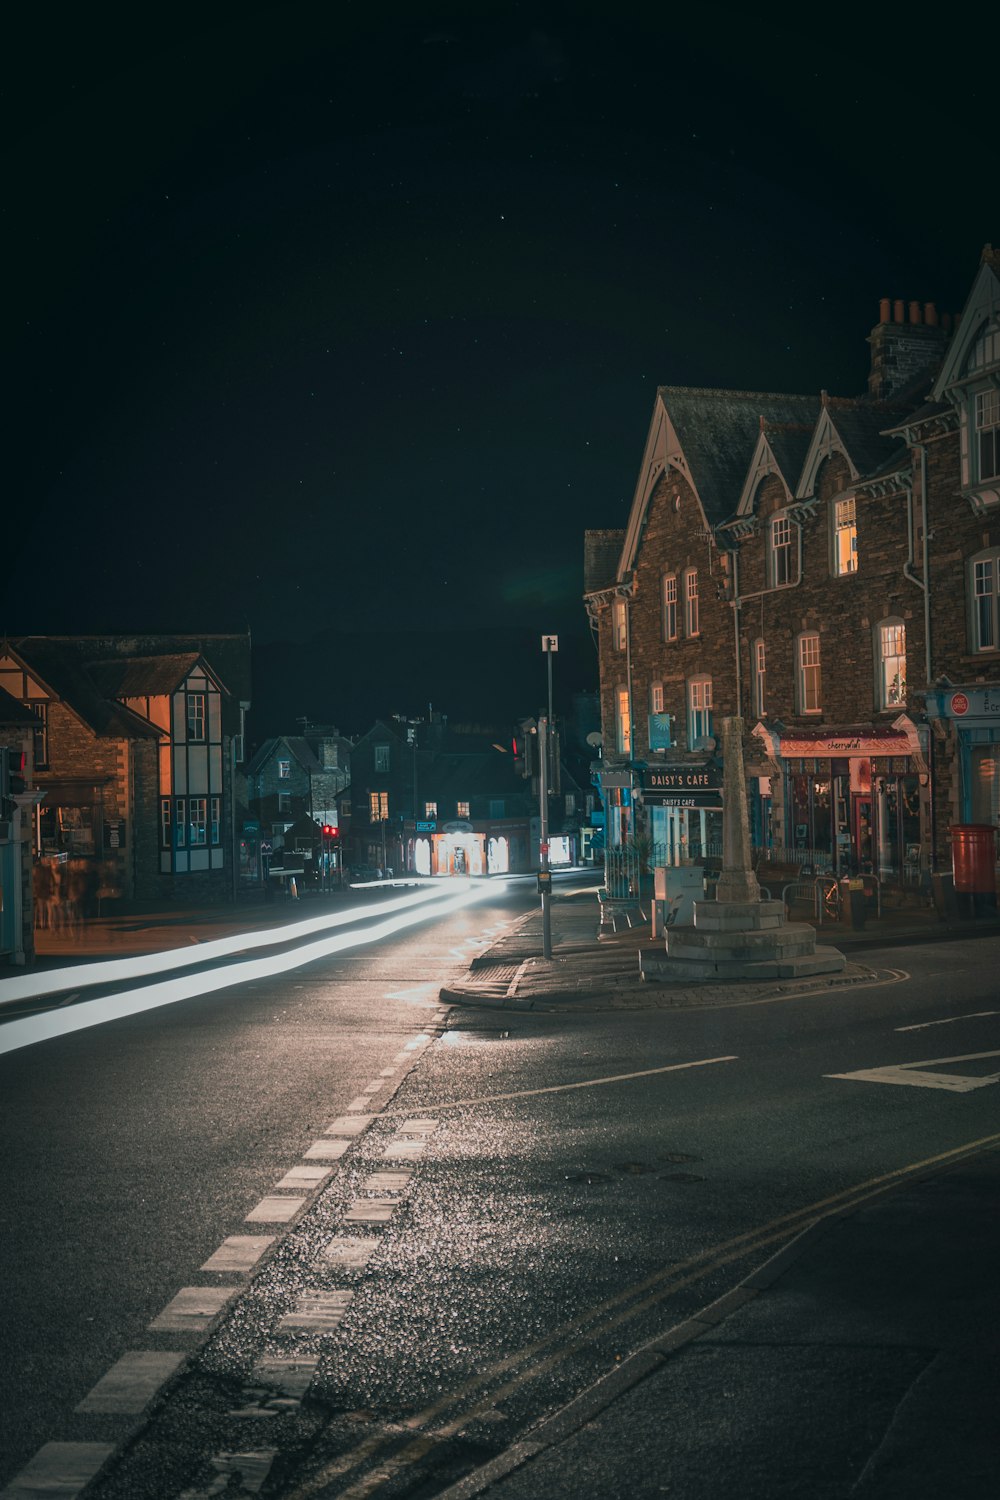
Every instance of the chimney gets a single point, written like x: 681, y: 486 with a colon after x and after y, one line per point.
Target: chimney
x: 883, y: 310
x: 916, y: 314
x: 903, y: 349
x: 897, y: 311
x: 930, y: 315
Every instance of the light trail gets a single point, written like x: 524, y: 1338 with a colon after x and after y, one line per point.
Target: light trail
x: 55, y: 1023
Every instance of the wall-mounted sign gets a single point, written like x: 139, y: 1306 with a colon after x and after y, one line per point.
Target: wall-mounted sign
x: 975, y: 703
x: 616, y: 778
x: 427, y: 827
x: 709, y: 799
x: 681, y: 778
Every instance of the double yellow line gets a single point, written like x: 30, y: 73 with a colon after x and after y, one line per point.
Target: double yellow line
x: 577, y: 1332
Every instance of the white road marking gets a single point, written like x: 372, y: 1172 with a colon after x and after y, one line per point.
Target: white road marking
x: 590, y: 1083
x: 193, y: 1309
x: 361, y: 1102
x: 252, y: 1467
x: 349, y: 1251
x: 404, y: 1150
x: 317, y: 1312
x: 274, y: 1210
x: 913, y: 1074
x: 386, y: 1182
x: 289, y: 1373
x: 973, y: 1015
x: 239, y: 1252
x: 304, y: 1177
x: 416, y: 994
x: 326, y: 1150
x: 417, y: 1127
x: 373, y: 1087
x: 389, y: 1072
x: 350, y: 1124
x: 371, y: 1211
x: 58, y: 1471
x: 132, y: 1382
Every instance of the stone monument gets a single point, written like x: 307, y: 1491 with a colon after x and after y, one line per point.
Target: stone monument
x: 739, y: 935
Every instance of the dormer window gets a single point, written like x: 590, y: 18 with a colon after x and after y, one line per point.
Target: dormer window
x: 845, y: 537
x: 988, y: 433
x: 782, y: 551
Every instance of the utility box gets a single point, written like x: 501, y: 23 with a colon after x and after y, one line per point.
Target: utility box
x: 675, y: 890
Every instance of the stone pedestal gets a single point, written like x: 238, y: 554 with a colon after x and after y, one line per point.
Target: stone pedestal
x: 738, y: 935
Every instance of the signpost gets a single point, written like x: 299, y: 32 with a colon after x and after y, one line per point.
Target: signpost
x: 550, y: 644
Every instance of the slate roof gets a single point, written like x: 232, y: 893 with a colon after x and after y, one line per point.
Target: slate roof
x: 718, y: 431
x: 227, y: 655
x: 601, y: 553
x: 49, y: 658
x: 862, y: 426
x: 789, y: 442
x: 139, y: 676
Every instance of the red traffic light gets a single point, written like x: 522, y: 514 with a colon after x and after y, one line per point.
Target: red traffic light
x: 329, y: 831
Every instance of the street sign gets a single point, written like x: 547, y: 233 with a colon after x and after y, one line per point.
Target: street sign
x: 426, y: 827
x: 550, y: 643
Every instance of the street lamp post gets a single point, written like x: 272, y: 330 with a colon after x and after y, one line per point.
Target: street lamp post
x: 550, y: 644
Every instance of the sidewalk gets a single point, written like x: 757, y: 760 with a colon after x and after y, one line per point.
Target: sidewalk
x: 595, y: 967
x: 860, y: 1361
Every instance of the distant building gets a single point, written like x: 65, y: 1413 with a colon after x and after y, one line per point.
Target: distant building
x: 294, y: 785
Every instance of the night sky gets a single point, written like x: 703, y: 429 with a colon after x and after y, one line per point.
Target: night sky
x: 348, y: 319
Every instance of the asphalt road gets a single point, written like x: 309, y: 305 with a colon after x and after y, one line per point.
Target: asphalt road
x: 578, y: 1185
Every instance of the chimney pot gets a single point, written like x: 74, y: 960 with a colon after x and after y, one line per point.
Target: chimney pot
x: 946, y: 322
x: 916, y: 315
x: 897, y: 311
x: 930, y: 315
x: 883, y: 310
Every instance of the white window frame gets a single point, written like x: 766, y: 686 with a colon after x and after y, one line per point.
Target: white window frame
x: 890, y: 647
x: 809, y: 673
x: 986, y: 418
x: 197, y: 822
x: 378, y: 807
x: 759, y: 678
x: 781, y: 550
x: 692, y: 623
x: 166, y: 822
x: 668, y: 593
x: 196, y: 717
x: 984, y: 600
x: 623, y: 721
x: 180, y: 822
x: 656, y: 697
x: 619, y: 624
x: 215, y: 819
x: 699, y: 709
x: 284, y: 770
x: 845, y: 537
x: 430, y: 809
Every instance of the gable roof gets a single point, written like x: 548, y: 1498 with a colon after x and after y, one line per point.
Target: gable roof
x: 601, y: 551
x: 982, y: 308
x: 855, y: 428
x: 709, y: 436
x: 14, y: 713
x: 67, y: 679
x: 142, y: 676
x: 781, y: 449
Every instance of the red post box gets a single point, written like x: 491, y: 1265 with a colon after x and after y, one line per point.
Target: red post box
x: 973, y: 862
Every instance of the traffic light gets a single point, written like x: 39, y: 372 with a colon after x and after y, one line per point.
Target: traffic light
x: 331, y: 832
x: 524, y: 747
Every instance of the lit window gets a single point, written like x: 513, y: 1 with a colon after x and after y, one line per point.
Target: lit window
x: 845, y: 537
x: 782, y: 558
x: 196, y: 716
x: 892, y: 664
x: 620, y: 624
x: 196, y: 821
x: 378, y: 807
x: 656, y: 698
x: 808, y: 685
x: 985, y: 583
x: 624, y: 722
x: 691, y: 602
x: 462, y: 810
x: 759, y: 678
x: 699, y: 710
x: 988, y: 433
x: 284, y: 770
x: 180, y: 817
x: 670, y: 607
x: 430, y: 809
x: 381, y: 757
x: 216, y: 808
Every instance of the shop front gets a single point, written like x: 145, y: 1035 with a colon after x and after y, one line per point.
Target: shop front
x: 684, y: 812
x: 973, y: 716
x: 849, y: 801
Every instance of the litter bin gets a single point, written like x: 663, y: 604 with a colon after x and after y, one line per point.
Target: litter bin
x: 853, y: 902
x: 973, y: 860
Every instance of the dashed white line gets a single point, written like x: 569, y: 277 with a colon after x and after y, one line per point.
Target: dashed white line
x: 239, y: 1252
x: 350, y: 1124
x: 304, y: 1177
x: 317, y: 1312
x: 193, y: 1309
x: 132, y: 1381
x: 324, y: 1150
x: 275, y: 1210
x: 386, y: 1182
x: 349, y: 1251
x: 371, y: 1211
x: 58, y: 1471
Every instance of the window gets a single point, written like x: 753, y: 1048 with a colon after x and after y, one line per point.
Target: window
x: 196, y: 822
x: 691, y: 602
x: 892, y: 663
x: 284, y: 770
x: 699, y: 710
x: 40, y: 732
x: 620, y: 624
x: 165, y: 822
x: 284, y: 802
x: 381, y: 757
x: 985, y: 582
x: 378, y: 807
x: 782, y: 556
x: 988, y: 433
x: 430, y: 809
x: 808, y: 684
x: 196, y: 716
x: 180, y: 818
x: 656, y: 698
x: 845, y: 537
x: 570, y: 804
x: 759, y: 678
x: 670, y: 607
x: 462, y: 810
x: 624, y: 723
x: 496, y: 807
x: 216, y: 821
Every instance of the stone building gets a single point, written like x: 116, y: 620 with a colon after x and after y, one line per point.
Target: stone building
x: 828, y: 569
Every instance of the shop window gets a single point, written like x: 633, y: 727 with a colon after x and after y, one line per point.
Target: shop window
x: 620, y: 624
x: 699, y: 710
x: 381, y: 757
x: 196, y: 716
x: 892, y: 663
x: 197, y: 822
x: 845, y: 537
x: 781, y: 549
x: 670, y: 607
x: 623, y: 723
x: 759, y: 678
x: 691, y: 624
x: 985, y: 784
x: 808, y: 677
x: 984, y: 583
